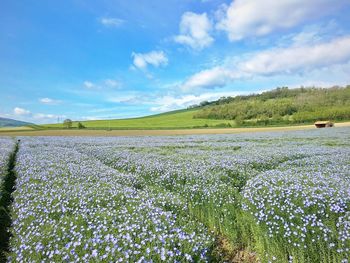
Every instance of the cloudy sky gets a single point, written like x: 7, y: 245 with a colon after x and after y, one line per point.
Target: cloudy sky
x: 84, y: 59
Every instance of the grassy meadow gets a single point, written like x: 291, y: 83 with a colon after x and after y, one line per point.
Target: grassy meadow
x: 278, y: 107
x: 20, y: 128
x: 171, y: 120
x: 152, y: 132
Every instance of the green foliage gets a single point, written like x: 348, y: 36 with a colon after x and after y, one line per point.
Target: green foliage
x: 170, y: 120
x: 277, y: 107
x: 67, y: 123
x: 81, y: 126
x: 223, y: 125
x: 282, y: 106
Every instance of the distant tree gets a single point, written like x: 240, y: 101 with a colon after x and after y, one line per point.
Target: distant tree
x: 67, y: 123
x: 81, y: 126
x: 204, y: 103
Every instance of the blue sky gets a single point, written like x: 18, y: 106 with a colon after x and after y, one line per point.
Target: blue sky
x: 84, y: 59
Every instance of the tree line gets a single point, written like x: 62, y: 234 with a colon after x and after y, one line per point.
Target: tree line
x: 281, y: 105
x: 68, y: 124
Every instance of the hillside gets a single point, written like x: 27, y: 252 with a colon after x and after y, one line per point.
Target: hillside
x: 5, y: 122
x: 170, y: 120
x: 281, y: 106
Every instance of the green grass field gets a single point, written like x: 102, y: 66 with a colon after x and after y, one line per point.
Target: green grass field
x: 170, y: 120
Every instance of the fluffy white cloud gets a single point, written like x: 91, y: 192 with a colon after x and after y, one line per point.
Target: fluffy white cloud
x: 288, y: 60
x: 111, y: 22
x: 49, y: 101
x: 26, y: 115
x: 168, y: 103
x: 154, y: 58
x: 209, y: 78
x: 245, y: 18
x: 21, y: 112
x: 194, y: 31
x: 293, y: 59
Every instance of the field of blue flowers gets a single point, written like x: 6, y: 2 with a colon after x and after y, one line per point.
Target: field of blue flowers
x: 6, y: 147
x: 257, y: 197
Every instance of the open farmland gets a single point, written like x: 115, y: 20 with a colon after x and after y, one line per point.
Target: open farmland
x: 6, y: 147
x: 180, y: 119
x: 165, y: 132
x: 254, y: 197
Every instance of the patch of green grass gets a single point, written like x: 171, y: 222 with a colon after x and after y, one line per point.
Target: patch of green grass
x: 171, y: 120
x: 335, y: 143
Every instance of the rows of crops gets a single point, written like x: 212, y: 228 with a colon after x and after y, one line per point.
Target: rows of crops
x: 6, y: 148
x: 268, y: 197
x: 71, y: 207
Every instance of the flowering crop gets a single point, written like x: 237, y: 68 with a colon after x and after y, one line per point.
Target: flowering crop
x: 284, y: 196
x: 70, y: 207
x: 6, y: 147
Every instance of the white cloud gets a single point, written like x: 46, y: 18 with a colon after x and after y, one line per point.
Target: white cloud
x: 194, y: 31
x: 47, y: 118
x: 124, y: 99
x: 307, y: 36
x: 288, y: 60
x: 49, y: 101
x: 26, y: 115
x: 112, y: 83
x: 111, y: 22
x: 154, y: 58
x: 89, y: 84
x: 41, y: 116
x: 209, y: 78
x: 167, y: 103
x: 245, y: 18
x: 21, y: 112
x: 312, y: 34
x: 293, y: 59
x: 102, y: 84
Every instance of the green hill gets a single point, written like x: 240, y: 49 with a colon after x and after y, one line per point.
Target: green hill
x: 170, y: 120
x: 5, y: 122
x: 281, y: 106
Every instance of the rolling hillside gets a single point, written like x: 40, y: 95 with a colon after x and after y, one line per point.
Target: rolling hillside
x: 278, y: 107
x: 5, y: 122
x: 170, y: 120
x: 281, y: 106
